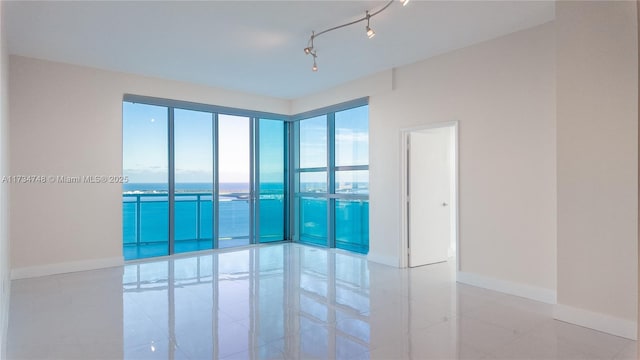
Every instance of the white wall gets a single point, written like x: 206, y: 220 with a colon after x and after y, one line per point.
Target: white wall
x: 597, y: 115
x: 5, y: 283
x: 67, y: 120
x: 379, y: 83
x: 502, y: 92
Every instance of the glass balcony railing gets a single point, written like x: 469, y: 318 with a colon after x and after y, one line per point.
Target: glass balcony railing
x: 351, y: 223
x: 146, y: 218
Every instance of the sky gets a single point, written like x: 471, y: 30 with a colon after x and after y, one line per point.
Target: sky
x: 351, y: 148
x: 145, y: 146
x: 144, y: 142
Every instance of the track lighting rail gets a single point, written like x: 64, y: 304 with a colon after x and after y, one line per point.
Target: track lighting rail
x: 311, y: 50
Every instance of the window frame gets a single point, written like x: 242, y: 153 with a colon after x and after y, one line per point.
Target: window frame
x: 254, y: 118
x: 291, y: 161
x: 330, y: 195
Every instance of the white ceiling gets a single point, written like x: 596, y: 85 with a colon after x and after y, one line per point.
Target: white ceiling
x: 256, y: 46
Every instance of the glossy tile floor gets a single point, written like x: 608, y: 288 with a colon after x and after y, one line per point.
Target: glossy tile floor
x: 286, y: 301
x: 146, y: 250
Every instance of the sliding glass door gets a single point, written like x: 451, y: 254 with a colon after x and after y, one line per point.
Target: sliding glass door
x: 271, y: 180
x: 200, y: 179
x: 193, y: 176
x: 235, y: 196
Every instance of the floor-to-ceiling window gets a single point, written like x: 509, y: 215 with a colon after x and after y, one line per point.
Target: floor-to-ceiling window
x: 271, y: 179
x: 234, y: 189
x: 145, y: 207
x: 311, y: 176
x: 193, y: 197
x: 205, y: 177
x: 352, y: 179
x: 332, y: 178
x: 200, y: 177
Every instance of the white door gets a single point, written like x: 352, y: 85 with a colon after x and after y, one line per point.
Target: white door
x: 429, y: 195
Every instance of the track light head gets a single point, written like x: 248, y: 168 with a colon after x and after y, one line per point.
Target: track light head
x: 314, y: 67
x: 307, y: 50
x: 370, y: 32
x: 404, y: 2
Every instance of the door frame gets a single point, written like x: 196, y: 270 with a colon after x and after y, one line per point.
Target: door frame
x: 404, y: 168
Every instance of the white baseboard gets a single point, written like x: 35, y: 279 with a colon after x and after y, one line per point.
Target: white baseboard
x: 597, y: 321
x: 63, y: 268
x: 526, y: 291
x: 383, y: 259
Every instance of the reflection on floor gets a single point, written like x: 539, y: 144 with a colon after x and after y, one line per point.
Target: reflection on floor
x: 134, y: 251
x: 285, y: 301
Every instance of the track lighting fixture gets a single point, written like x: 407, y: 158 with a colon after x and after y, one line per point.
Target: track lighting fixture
x: 370, y: 32
x: 311, y: 50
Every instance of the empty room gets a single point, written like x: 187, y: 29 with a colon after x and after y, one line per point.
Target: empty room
x: 319, y: 179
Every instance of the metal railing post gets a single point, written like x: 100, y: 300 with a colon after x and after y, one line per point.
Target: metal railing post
x: 198, y: 217
x: 138, y: 217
